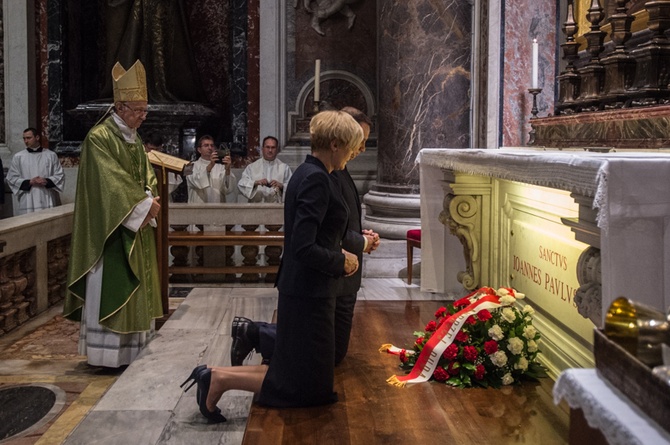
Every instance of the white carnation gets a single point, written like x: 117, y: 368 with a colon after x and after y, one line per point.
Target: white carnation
x: 502, y: 292
x: 522, y: 364
x: 499, y: 358
x: 528, y: 310
x: 507, y: 379
x: 532, y: 346
x: 529, y: 332
x: 515, y: 345
x: 507, y: 300
x: 496, y: 333
x: 509, y: 315
x: 519, y: 295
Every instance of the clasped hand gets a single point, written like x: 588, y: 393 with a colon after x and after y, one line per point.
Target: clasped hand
x: 372, y: 238
x: 38, y: 181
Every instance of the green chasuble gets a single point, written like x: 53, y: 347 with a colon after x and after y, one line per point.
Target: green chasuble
x: 113, y: 178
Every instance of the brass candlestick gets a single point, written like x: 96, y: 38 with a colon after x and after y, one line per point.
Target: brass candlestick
x: 533, y: 112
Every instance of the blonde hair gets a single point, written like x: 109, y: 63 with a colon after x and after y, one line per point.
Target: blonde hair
x: 327, y: 126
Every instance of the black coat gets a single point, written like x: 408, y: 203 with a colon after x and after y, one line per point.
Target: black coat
x: 315, y: 220
x: 301, y: 371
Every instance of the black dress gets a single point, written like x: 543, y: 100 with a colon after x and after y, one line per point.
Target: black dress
x: 315, y: 219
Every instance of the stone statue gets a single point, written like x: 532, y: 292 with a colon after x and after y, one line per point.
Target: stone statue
x: 157, y: 33
x: 326, y: 8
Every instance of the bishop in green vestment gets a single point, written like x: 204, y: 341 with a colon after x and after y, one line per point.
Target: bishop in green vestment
x: 113, y: 280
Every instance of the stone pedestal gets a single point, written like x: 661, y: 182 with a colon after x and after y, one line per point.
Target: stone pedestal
x: 177, y: 122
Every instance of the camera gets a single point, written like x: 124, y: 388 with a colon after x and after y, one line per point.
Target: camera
x: 222, y: 152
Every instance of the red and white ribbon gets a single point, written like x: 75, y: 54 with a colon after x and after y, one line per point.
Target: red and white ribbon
x: 444, y: 336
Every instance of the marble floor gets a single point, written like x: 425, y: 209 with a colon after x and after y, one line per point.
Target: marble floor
x: 143, y: 404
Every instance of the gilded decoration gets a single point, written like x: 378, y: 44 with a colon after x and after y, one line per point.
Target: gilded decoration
x: 461, y: 214
x: 635, y: 8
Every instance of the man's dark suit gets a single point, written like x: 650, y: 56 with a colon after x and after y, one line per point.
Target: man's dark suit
x: 301, y: 371
x: 346, y: 288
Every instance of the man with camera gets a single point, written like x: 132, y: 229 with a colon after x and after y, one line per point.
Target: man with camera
x: 265, y: 179
x: 211, y: 179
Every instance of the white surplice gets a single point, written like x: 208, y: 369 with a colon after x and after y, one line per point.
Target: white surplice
x: 27, y: 165
x: 262, y: 169
x: 204, y: 186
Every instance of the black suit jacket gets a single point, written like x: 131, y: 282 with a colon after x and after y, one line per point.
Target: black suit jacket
x: 353, y: 241
x: 315, y: 221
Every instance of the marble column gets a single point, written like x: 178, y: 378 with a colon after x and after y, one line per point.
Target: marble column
x: 424, y: 83
x: 239, y: 73
x: 18, y: 48
x: 2, y: 78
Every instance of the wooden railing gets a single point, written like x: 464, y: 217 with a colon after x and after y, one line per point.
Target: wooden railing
x: 255, y: 228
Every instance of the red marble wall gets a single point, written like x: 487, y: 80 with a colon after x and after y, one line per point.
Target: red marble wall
x: 524, y: 21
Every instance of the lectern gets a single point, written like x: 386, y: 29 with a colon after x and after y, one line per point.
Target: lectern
x: 164, y: 163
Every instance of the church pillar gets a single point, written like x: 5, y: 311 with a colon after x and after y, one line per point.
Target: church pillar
x: 272, y: 109
x: 18, y: 36
x: 424, y: 84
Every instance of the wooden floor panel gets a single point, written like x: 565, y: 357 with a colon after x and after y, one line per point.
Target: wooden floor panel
x: 370, y: 411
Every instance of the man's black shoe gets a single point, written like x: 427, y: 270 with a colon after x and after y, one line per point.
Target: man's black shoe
x: 242, y: 345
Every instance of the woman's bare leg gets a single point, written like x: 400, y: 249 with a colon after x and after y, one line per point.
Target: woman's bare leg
x: 244, y: 378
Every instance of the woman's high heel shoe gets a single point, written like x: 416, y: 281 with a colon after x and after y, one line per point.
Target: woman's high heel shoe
x: 204, y: 381
x: 194, y: 376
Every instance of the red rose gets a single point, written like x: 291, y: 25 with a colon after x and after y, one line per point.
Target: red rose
x: 462, y: 337
x: 470, y: 320
x: 431, y: 326
x: 470, y: 353
x: 454, y: 368
x: 484, y: 315
x: 451, y: 352
x: 440, y: 374
x: 403, y: 356
x: 490, y: 347
x: 440, y: 312
x: 419, y: 341
x: 462, y: 302
x: 480, y: 371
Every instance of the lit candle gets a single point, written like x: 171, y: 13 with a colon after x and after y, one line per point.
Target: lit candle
x: 534, y: 81
x: 317, y: 79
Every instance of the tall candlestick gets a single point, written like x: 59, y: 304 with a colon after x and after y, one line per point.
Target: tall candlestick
x: 317, y: 79
x: 534, y: 76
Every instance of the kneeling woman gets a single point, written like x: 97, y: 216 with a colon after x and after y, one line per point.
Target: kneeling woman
x: 301, y: 372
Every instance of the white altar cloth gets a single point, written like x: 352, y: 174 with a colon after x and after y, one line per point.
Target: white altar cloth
x: 607, y: 409
x: 623, y: 185
x: 631, y: 191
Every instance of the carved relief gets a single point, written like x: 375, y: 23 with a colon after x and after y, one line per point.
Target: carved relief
x: 17, y: 289
x: 461, y: 215
x: 323, y: 9
x: 589, y: 295
x: 58, y: 255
